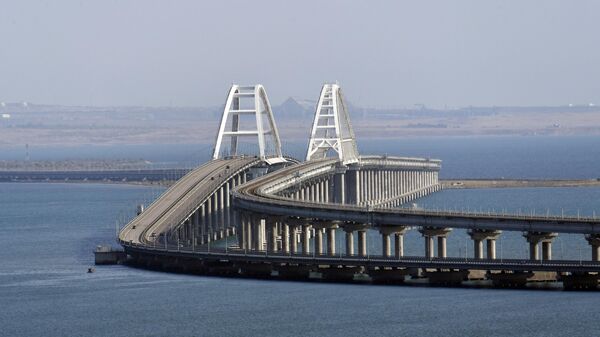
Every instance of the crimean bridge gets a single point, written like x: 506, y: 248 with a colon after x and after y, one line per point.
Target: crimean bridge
x: 262, y: 214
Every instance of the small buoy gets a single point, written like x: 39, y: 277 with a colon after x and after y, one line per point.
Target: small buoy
x: 91, y: 270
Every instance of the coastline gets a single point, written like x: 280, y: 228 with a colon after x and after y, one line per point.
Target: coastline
x: 446, y: 183
x: 516, y: 183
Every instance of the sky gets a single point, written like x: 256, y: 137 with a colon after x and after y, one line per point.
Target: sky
x: 384, y: 54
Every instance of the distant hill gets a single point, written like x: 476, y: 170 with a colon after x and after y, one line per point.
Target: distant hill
x: 295, y: 108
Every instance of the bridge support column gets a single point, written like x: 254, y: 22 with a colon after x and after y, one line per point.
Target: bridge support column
x: 594, y: 241
x: 362, y: 242
x: 306, y: 239
x: 340, y: 186
x: 478, y: 236
x: 242, y: 232
x: 429, y: 233
x: 195, y: 228
x: 331, y: 240
x: 272, y: 235
x: 399, y: 245
x: 441, y: 246
x: 256, y: 237
x: 221, y: 201
x: 428, y: 246
x: 349, y: 242
x: 318, y: 192
x: 285, y: 238
x: 357, y: 187
x: 208, y: 218
x: 364, y: 187
x: 318, y: 241
x: 534, y: 239
x: 249, y: 231
x: 261, y: 234
x: 477, y: 249
x: 227, y: 195
x: 386, y: 244
x: 294, y: 239
x: 534, y: 253
x: 491, y: 249
x: 546, y: 250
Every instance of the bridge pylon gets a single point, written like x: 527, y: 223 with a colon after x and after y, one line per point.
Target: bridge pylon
x: 248, y: 114
x: 331, y: 133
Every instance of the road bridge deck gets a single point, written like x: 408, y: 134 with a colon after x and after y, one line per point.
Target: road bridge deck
x: 186, y: 193
x: 259, y: 196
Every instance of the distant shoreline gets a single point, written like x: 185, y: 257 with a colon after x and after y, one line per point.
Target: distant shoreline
x: 137, y: 178
x: 516, y: 183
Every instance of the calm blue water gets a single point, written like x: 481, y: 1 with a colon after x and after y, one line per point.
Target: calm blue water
x: 575, y: 157
x: 48, y: 232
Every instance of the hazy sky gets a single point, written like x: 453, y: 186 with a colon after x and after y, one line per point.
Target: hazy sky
x: 383, y: 53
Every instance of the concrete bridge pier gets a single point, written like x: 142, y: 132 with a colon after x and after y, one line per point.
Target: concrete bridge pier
x: 399, y: 244
x: 285, y: 237
x: 349, y: 242
x: 534, y: 239
x: 362, y: 242
x: 429, y: 233
x: 331, y: 229
x: 480, y: 235
x: 249, y: 236
x: 271, y: 226
x: 350, y: 229
x: 353, y: 190
x: 318, y: 240
x: 221, y: 198
x: 293, y: 239
x: 594, y: 241
x: 306, y: 239
x: 208, y: 215
x: 241, y: 233
x: 297, y: 231
x: 328, y: 228
x: 227, y: 196
x: 339, y: 185
x: 386, y: 244
x: 214, y: 219
x: 258, y: 233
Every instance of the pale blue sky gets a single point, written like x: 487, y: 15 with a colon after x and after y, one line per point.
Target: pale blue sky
x: 383, y: 53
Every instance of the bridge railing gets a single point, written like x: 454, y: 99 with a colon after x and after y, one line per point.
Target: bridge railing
x: 403, y: 162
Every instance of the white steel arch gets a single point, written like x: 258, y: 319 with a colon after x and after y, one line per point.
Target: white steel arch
x: 253, y: 101
x: 331, y: 130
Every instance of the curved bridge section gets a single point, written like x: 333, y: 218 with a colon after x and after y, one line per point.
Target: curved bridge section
x: 195, y: 199
x: 305, y: 221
